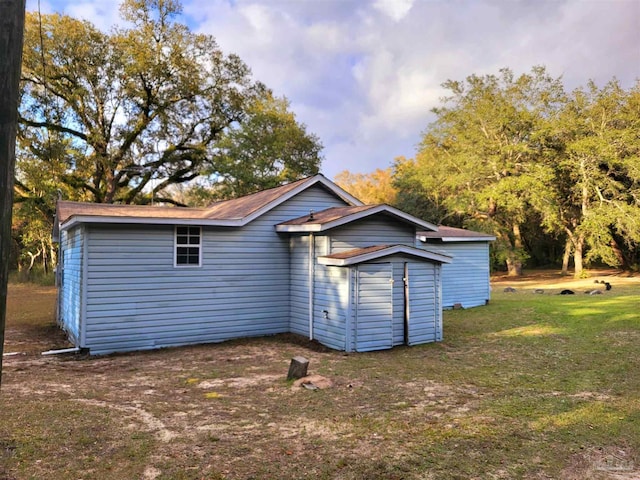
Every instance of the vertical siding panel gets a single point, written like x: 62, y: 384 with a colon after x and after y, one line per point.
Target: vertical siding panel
x: 330, y: 296
x: 374, y: 310
x: 299, y: 286
x: 423, y: 305
x: 398, y: 300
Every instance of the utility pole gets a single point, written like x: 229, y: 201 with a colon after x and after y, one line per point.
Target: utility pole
x: 11, y: 38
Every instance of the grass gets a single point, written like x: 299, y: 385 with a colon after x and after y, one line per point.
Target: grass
x: 530, y: 386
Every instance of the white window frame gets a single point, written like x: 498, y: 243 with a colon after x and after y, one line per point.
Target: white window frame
x: 176, y: 245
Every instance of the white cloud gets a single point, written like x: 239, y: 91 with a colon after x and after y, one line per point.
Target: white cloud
x: 364, y: 75
x: 396, y: 9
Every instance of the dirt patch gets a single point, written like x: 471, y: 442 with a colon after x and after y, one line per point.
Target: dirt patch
x: 602, y: 463
x: 552, y: 281
x: 457, y: 409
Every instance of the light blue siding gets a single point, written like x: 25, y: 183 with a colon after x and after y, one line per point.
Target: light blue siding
x: 374, y: 307
x: 137, y: 299
x: 69, y: 315
x: 466, y: 279
x: 299, y: 286
x: 424, y: 308
x: 331, y: 301
x: 371, y: 231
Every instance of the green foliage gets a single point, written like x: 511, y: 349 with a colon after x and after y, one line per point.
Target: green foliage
x: 133, y: 115
x: 530, y: 386
x: 119, y: 110
x: 509, y: 154
x: 266, y: 149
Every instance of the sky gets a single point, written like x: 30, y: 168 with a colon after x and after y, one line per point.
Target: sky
x: 363, y: 75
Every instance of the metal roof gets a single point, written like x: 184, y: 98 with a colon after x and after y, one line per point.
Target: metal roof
x: 452, y: 234
x: 235, y: 212
x: 360, y: 255
x: 336, y: 216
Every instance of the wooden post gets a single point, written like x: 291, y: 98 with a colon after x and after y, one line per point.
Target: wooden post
x: 11, y: 38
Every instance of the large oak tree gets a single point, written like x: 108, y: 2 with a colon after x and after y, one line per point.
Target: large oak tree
x: 128, y: 115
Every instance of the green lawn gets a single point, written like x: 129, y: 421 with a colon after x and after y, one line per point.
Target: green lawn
x: 530, y: 386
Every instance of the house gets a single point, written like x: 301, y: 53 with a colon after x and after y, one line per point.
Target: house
x: 306, y: 257
x: 465, y: 280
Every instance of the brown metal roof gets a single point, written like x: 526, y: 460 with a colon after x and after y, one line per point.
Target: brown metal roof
x: 374, y: 252
x: 452, y: 233
x: 328, y: 215
x: 244, y: 206
x: 65, y: 210
x: 227, y: 210
x: 356, y: 252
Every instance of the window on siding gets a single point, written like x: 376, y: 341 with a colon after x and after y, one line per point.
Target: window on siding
x: 188, y: 246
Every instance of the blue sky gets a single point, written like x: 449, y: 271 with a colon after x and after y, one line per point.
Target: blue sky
x: 363, y: 75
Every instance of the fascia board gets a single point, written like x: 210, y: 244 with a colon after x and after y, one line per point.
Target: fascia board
x: 343, y: 262
x: 313, y: 227
x: 422, y: 238
x: 354, y: 217
x: 82, y: 219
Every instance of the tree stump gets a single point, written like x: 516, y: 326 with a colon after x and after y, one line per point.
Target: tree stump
x: 298, y: 368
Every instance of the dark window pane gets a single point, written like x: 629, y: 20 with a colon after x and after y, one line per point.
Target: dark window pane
x: 181, y: 259
x: 194, y: 231
x: 193, y: 251
x: 182, y: 230
x: 194, y: 240
x: 181, y: 240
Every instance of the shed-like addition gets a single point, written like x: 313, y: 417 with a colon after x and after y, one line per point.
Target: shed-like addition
x: 306, y: 257
x: 465, y: 280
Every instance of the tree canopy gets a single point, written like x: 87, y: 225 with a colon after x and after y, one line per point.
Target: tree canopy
x: 370, y: 188
x: 123, y: 116
x: 506, y: 154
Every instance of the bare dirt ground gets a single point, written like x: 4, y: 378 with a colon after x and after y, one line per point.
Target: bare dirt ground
x: 227, y: 410
x: 552, y: 281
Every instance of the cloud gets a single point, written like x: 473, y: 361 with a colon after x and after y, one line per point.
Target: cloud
x: 396, y: 9
x: 364, y: 75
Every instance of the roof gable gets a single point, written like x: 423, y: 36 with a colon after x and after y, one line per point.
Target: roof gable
x: 337, y: 216
x: 367, y: 254
x: 235, y: 212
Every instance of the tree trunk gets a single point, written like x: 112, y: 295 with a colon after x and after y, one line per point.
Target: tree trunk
x: 577, y: 257
x: 617, y: 251
x: 12, y: 15
x: 514, y: 261
x: 514, y: 266
x: 566, y: 256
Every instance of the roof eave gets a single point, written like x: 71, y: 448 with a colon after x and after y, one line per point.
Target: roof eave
x: 310, y: 228
x: 323, y: 227
x: 366, y: 257
x: 80, y: 219
x: 422, y: 238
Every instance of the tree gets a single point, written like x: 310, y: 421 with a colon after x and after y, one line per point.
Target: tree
x: 371, y: 188
x: 117, y: 111
x: 479, y: 159
x: 266, y: 149
x: 596, y: 199
x: 140, y: 113
x: 11, y: 38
